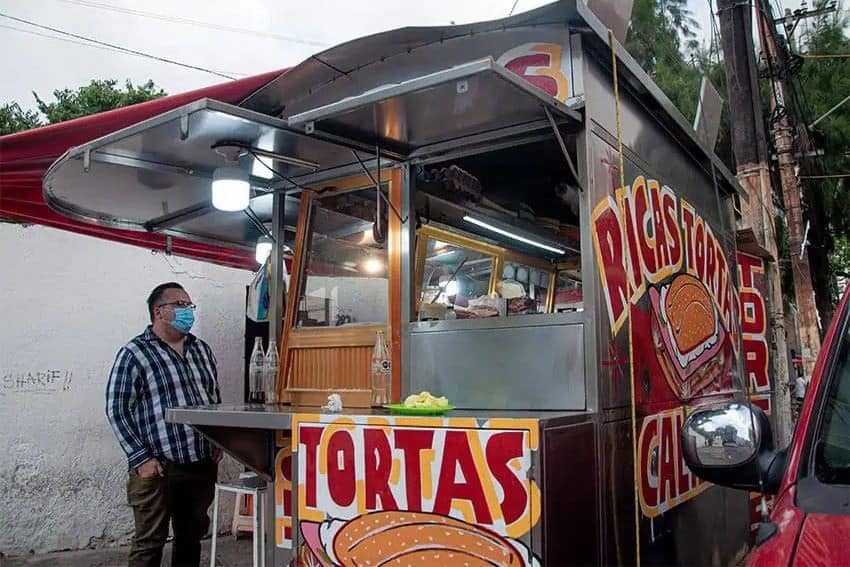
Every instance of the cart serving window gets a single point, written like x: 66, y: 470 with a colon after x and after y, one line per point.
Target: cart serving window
x: 489, y: 236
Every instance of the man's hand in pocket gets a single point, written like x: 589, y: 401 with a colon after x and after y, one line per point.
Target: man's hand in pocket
x: 150, y: 469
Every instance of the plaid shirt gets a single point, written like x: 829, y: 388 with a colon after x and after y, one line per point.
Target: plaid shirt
x: 149, y: 376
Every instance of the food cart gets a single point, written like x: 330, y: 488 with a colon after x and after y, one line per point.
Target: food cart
x: 543, y: 240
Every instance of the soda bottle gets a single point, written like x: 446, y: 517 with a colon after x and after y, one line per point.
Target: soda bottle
x: 380, y: 372
x: 256, y: 365
x: 270, y: 369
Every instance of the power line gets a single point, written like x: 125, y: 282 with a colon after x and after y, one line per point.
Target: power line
x: 118, y: 47
x: 511, y: 13
x: 832, y: 176
x: 196, y: 23
x: 826, y: 56
x: 83, y: 43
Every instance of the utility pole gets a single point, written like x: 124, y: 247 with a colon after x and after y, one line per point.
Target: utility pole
x: 757, y: 216
x: 783, y: 131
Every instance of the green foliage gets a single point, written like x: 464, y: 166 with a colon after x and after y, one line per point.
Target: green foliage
x: 97, y: 96
x: 662, y: 39
x: 840, y: 258
x: 824, y: 83
x: 14, y: 119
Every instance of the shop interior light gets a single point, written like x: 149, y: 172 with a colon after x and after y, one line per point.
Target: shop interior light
x: 230, y: 189
x: 513, y: 235
x: 451, y: 288
x: 372, y: 265
x: 264, y: 248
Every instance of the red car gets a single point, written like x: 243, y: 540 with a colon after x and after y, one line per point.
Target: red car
x: 731, y: 444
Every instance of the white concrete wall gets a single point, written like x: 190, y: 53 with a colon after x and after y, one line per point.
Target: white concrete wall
x: 68, y: 303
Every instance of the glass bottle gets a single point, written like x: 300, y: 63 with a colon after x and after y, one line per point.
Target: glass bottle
x: 381, y: 367
x: 270, y: 370
x: 256, y: 364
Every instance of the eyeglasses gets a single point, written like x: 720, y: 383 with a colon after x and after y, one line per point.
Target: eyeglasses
x: 181, y: 304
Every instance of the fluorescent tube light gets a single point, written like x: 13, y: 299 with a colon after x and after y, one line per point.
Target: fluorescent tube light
x: 503, y: 232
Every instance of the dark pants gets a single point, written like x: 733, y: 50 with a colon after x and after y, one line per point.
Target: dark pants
x: 182, y: 496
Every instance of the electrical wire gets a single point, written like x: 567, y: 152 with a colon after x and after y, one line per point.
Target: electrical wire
x: 196, y: 23
x: 96, y: 46
x: 118, y: 47
x: 511, y: 13
x: 826, y: 176
x: 827, y: 56
x: 635, y: 471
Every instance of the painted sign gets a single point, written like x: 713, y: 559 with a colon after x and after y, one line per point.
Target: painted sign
x: 547, y: 66
x: 283, y: 492
x: 665, y: 480
x: 646, y: 238
x: 435, y: 490
x: 669, y: 293
x: 753, y: 289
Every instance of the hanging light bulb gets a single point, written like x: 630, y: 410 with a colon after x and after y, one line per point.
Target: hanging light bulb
x: 230, y: 189
x: 264, y: 248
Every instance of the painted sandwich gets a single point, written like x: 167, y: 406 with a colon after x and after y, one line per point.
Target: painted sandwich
x: 412, y: 538
x: 688, y: 335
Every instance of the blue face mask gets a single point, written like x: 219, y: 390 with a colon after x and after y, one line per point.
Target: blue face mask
x: 184, y: 317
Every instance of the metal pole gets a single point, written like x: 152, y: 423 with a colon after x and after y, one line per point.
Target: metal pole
x: 277, y: 287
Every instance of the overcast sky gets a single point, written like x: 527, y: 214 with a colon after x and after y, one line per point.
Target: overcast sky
x: 294, y: 30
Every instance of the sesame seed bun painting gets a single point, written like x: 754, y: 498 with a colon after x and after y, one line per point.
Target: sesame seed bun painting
x: 687, y: 336
x: 415, y: 491
x: 410, y: 538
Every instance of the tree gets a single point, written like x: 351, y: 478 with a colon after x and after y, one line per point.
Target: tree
x: 662, y: 39
x: 14, y: 119
x: 823, y: 82
x: 97, y: 96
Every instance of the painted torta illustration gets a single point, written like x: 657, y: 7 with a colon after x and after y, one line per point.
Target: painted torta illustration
x: 409, y: 538
x: 688, y: 335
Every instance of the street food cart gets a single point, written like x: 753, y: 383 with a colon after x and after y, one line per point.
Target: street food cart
x: 543, y: 240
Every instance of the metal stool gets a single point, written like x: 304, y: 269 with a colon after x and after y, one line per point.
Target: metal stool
x: 256, y: 488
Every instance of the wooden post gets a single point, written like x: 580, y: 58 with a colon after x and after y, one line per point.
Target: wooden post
x: 783, y: 136
x: 757, y: 216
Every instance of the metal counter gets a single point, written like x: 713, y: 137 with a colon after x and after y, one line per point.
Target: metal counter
x: 279, y: 417
x: 247, y: 432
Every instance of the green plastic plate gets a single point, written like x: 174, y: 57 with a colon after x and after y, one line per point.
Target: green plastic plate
x: 401, y: 409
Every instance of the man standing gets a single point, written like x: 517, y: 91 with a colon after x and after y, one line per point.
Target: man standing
x: 801, y: 384
x: 172, y: 468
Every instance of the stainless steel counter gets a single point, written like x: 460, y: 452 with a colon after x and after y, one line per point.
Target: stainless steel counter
x: 277, y: 417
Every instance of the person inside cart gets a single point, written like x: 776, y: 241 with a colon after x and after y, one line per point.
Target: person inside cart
x: 171, y: 468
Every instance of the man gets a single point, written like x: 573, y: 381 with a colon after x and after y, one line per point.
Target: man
x: 172, y: 469
x: 800, y: 386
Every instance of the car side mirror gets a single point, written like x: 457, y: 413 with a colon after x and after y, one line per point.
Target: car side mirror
x: 731, y: 444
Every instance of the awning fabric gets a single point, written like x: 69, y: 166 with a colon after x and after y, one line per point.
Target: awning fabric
x: 25, y: 157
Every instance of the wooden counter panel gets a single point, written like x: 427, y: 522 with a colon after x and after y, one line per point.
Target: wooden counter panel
x: 333, y: 368
x: 327, y: 337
